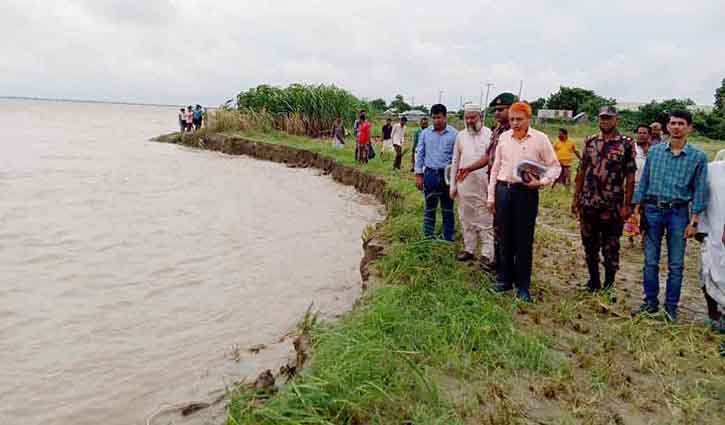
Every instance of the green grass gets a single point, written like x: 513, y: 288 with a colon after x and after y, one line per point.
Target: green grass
x: 427, y: 321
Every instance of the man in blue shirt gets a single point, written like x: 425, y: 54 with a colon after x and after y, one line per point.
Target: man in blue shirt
x: 674, y: 180
x: 432, y: 155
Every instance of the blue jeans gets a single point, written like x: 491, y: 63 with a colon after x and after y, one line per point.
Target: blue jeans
x: 436, y: 190
x: 672, y: 223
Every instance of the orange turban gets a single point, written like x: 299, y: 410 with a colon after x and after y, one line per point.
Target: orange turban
x: 521, y: 107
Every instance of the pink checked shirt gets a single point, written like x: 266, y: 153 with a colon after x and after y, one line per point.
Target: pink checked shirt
x: 535, y: 146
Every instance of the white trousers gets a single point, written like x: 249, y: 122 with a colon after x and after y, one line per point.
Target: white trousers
x: 476, y: 224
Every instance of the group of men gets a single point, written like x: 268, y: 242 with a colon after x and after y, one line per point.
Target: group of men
x: 496, y: 176
x: 393, y: 139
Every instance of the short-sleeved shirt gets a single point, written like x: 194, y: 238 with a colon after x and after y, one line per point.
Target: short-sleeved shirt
x: 605, y: 164
x: 363, y: 135
x: 565, y: 151
x: 387, y: 131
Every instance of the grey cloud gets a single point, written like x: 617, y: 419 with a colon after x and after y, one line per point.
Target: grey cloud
x: 176, y: 51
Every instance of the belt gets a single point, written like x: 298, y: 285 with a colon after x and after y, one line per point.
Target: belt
x: 666, y: 205
x: 511, y: 185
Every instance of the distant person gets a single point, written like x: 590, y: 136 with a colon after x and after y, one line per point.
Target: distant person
x: 182, y: 120
x: 514, y: 198
x: 416, y: 138
x: 363, y: 139
x: 356, y: 131
x: 189, y: 118
x: 672, y: 194
x: 433, y: 154
x: 633, y: 226
x: 387, y: 138
x: 712, y: 232
x: 565, y: 150
x: 603, y: 197
x: 197, y: 117
x: 338, y: 134
x: 656, y: 133
x: 476, y: 221
x: 398, y: 137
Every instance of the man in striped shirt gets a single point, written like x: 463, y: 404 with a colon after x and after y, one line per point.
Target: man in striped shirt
x: 671, y: 195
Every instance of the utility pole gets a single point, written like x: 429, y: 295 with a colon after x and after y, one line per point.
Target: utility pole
x: 440, y: 96
x: 485, y: 104
x: 521, y: 89
x: 412, y: 101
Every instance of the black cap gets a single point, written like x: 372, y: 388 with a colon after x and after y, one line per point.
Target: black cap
x: 504, y: 99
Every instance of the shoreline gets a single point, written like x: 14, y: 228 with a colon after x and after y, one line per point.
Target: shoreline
x: 293, y: 158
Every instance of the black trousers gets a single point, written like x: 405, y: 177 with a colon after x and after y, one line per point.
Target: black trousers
x: 398, y: 156
x: 516, y: 209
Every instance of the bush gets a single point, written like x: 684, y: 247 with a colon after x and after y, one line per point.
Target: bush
x: 301, y: 109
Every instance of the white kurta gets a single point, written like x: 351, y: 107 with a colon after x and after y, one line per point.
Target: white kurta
x: 476, y: 220
x: 712, y: 222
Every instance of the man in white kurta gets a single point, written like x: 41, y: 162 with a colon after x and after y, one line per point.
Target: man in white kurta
x: 476, y: 220
x: 712, y: 223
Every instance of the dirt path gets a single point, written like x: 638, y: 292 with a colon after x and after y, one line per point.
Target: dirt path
x: 620, y: 371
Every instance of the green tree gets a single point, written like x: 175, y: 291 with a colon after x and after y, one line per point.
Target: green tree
x: 399, y: 104
x: 659, y: 111
x: 577, y: 100
x: 379, y: 105
x: 720, y: 98
x: 539, y: 103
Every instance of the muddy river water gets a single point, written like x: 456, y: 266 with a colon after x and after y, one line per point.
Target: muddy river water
x: 132, y: 273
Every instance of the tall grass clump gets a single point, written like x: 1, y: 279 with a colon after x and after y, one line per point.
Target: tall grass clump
x: 301, y: 109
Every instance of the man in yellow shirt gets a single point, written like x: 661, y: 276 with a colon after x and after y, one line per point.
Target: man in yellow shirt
x: 565, y: 150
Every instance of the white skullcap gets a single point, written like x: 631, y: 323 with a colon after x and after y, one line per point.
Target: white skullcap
x: 472, y: 107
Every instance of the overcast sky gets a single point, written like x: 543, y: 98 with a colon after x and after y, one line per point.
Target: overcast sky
x: 184, y: 51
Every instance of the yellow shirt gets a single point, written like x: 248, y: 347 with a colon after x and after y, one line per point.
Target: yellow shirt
x: 565, y: 151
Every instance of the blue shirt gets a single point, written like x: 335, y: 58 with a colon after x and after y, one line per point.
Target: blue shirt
x: 435, y: 149
x: 667, y: 177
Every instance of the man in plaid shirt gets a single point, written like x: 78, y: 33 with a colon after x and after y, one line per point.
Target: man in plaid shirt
x: 673, y: 182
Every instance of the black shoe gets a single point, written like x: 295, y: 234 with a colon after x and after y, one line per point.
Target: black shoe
x: 671, y: 313
x: 645, y: 309
x: 501, y: 287
x: 523, y: 295
x: 464, y: 256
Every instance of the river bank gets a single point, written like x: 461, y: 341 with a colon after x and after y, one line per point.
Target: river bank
x: 429, y: 344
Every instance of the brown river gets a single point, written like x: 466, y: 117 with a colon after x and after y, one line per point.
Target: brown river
x: 133, y: 273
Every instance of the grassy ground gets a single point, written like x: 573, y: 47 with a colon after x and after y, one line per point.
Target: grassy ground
x: 428, y: 344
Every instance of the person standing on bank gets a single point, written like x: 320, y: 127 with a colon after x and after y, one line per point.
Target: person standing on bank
x: 603, y: 196
x: 433, y: 154
x: 363, y: 139
x: 500, y: 105
x: 356, y: 132
x: 632, y: 227
x: 476, y: 221
x: 387, y: 138
x: 656, y: 133
x: 565, y: 150
x: 712, y: 228
x: 338, y: 134
x: 673, y: 182
x: 398, y: 139
x: 514, y: 202
x: 416, y: 138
